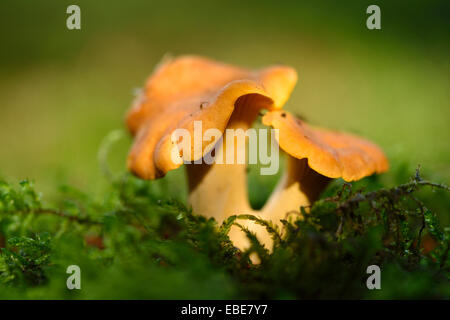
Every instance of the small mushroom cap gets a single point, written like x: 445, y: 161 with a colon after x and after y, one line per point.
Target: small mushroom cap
x: 332, y: 154
x: 188, y: 89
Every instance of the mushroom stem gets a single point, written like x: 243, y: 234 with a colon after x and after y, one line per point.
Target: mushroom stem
x: 219, y: 190
x: 299, y: 187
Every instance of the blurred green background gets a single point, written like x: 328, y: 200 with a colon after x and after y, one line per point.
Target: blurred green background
x: 62, y: 91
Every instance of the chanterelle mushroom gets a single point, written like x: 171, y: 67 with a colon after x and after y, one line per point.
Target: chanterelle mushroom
x: 189, y: 89
x: 314, y: 156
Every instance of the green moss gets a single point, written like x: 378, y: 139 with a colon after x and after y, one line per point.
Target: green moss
x: 133, y: 244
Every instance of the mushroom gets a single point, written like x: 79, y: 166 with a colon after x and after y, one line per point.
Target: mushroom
x: 188, y: 89
x: 314, y: 157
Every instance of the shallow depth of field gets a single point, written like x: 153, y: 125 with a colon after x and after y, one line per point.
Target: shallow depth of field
x: 63, y: 92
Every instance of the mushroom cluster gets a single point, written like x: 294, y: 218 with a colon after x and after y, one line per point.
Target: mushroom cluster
x: 187, y: 89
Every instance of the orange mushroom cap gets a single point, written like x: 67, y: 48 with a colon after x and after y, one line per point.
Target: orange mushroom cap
x: 332, y: 154
x: 188, y: 89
